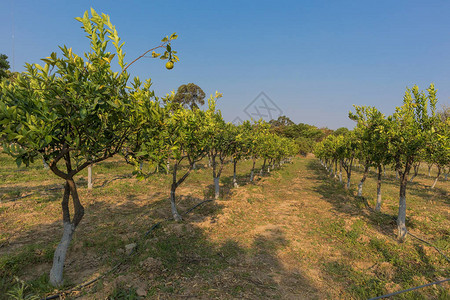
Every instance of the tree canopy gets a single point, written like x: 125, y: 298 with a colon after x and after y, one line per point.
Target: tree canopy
x: 4, y: 66
x: 190, y: 96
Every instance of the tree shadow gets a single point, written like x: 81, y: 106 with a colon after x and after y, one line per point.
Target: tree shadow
x: 174, y: 260
x: 181, y: 261
x: 346, y: 202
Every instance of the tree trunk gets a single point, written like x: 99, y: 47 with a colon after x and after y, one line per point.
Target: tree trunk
x: 175, y: 214
x: 429, y: 169
x: 378, y: 205
x: 90, y: 177
x: 216, y: 188
x: 216, y: 176
x: 262, y: 168
x: 437, y: 177
x: 360, y: 185
x: 234, y: 174
x: 340, y: 172
x: 348, y: 170
x: 56, y: 273
x: 335, y: 169
x: 401, y: 220
x: 173, y: 206
x: 252, y: 173
x: 349, y: 174
x: 416, y: 172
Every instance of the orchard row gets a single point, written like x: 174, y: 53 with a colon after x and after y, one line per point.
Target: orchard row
x: 414, y: 133
x: 75, y: 111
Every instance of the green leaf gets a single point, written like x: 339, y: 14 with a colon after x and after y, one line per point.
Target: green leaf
x: 18, y: 162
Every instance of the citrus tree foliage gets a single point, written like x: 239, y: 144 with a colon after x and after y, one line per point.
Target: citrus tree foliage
x: 221, y: 141
x: 327, y: 152
x: 74, y: 111
x: 181, y: 135
x: 412, y: 126
x: 371, y: 136
x: 4, y: 66
x: 255, y: 142
x: 438, y: 150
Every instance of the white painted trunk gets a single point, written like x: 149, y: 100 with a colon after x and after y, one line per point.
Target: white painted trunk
x: 56, y: 273
x: 378, y: 205
x: 340, y: 177
x: 175, y: 214
x: 141, y: 166
x: 216, y: 188
x: 234, y: 174
x: 360, y: 188
x: 401, y: 220
x: 348, y: 183
x: 90, y: 185
x: 436, y: 180
x: 252, y: 175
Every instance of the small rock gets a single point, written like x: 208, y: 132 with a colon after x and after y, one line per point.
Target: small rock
x: 141, y: 292
x: 129, y: 248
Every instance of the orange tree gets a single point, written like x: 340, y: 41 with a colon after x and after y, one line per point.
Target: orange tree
x: 182, y: 136
x: 372, y: 143
x: 410, y: 131
x: 74, y: 111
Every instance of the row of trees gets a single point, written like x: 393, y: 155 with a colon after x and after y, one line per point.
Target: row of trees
x: 75, y: 111
x: 306, y: 136
x: 414, y: 133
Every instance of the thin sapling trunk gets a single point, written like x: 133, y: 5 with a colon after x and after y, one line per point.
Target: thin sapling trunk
x: 401, y: 219
x: 234, y: 174
x: 437, y: 177
x: 262, y: 168
x: 90, y: 177
x: 363, y: 179
x: 252, y: 173
x: 378, y: 205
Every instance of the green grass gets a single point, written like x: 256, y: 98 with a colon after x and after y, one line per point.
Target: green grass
x: 295, y: 216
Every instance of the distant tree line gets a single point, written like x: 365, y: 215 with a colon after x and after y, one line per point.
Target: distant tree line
x: 305, y: 136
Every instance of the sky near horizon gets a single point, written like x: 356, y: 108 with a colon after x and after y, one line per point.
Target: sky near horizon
x: 312, y: 59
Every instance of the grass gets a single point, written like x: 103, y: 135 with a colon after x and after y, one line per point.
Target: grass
x: 293, y: 233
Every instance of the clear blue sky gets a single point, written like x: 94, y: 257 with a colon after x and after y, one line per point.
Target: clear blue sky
x: 314, y: 59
